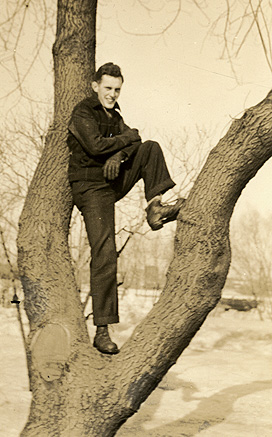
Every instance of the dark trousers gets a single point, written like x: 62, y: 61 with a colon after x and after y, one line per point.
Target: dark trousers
x: 95, y: 199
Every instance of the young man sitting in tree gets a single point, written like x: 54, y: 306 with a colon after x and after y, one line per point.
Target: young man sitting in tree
x: 107, y: 159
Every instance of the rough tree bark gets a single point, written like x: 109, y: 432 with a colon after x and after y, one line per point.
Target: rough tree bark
x: 76, y: 390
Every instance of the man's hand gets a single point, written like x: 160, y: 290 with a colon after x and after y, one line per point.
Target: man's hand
x: 112, y: 165
x: 135, y: 135
x: 132, y: 134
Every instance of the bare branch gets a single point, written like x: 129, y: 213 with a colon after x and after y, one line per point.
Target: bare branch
x: 12, y: 36
x: 239, y: 21
x: 260, y: 32
x: 150, y: 11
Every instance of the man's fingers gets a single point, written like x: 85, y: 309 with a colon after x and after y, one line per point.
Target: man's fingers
x: 111, y: 170
x: 116, y: 173
x: 105, y: 170
x: 112, y: 166
x: 114, y: 170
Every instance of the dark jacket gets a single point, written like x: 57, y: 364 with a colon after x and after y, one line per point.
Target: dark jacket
x: 94, y: 135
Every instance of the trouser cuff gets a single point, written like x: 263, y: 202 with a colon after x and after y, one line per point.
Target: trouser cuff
x: 107, y: 320
x: 160, y: 189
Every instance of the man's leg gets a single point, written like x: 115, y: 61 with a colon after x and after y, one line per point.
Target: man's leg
x: 97, y: 207
x: 149, y: 164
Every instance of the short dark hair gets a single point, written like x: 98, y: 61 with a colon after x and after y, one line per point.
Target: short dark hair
x: 110, y: 69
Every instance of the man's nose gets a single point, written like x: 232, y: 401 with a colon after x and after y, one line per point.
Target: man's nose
x: 112, y: 93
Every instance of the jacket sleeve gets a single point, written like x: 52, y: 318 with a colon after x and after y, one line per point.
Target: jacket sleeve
x: 130, y: 149
x: 84, y: 127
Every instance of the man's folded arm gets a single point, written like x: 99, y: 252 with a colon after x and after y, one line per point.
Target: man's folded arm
x: 130, y: 150
x: 85, y: 129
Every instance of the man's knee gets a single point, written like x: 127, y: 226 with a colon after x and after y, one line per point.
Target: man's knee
x: 150, y: 144
x: 151, y: 148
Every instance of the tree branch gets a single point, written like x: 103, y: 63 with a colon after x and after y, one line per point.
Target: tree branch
x: 202, y: 257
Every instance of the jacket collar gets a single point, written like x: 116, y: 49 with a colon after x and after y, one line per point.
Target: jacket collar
x: 95, y: 103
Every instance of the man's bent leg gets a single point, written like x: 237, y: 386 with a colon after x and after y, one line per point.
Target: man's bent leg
x: 148, y: 164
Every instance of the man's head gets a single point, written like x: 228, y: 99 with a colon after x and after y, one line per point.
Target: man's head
x: 108, y: 81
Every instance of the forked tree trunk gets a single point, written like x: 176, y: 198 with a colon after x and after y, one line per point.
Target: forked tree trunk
x: 76, y: 390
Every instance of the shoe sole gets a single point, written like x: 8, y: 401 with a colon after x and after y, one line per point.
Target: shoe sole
x: 107, y: 352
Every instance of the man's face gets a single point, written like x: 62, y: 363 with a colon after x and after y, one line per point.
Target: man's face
x: 108, y: 90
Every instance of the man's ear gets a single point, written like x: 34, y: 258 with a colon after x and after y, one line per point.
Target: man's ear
x: 95, y: 86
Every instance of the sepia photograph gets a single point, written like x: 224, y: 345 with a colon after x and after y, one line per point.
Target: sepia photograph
x: 136, y: 218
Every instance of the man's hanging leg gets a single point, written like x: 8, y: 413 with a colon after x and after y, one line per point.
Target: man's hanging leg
x: 103, y: 342
x: 97, y: 207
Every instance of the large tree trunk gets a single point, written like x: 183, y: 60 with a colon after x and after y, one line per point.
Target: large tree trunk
x: 76, y: 390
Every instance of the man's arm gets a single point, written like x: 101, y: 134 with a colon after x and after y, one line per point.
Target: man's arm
x: 112, y: 165
x: 131, y: 148
x: 85, y: 128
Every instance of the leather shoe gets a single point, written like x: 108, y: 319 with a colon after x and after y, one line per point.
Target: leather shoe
x: 103, y: 342
x: 158, y: 214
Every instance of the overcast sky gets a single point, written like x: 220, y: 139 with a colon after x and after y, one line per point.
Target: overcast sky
x: 174, y: 80
x: 180, y: 79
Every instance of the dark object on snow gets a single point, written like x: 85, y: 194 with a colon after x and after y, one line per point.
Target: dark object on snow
x: 15, y: 299
x: 238, y: 304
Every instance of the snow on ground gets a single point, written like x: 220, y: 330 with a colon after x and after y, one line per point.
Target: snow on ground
x: 14, y: 394
x: 221, y: 385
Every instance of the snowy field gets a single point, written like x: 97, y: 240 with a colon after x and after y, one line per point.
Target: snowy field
x: 221, y: 385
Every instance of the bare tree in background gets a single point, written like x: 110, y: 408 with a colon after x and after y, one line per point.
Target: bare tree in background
x: 185, y: 154
x: 240, y: 20
x: 76, y: 390
x: 252, y: 258
x: 22, y: 143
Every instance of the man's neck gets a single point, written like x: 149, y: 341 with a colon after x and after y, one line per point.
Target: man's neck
x: 107, y: 111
